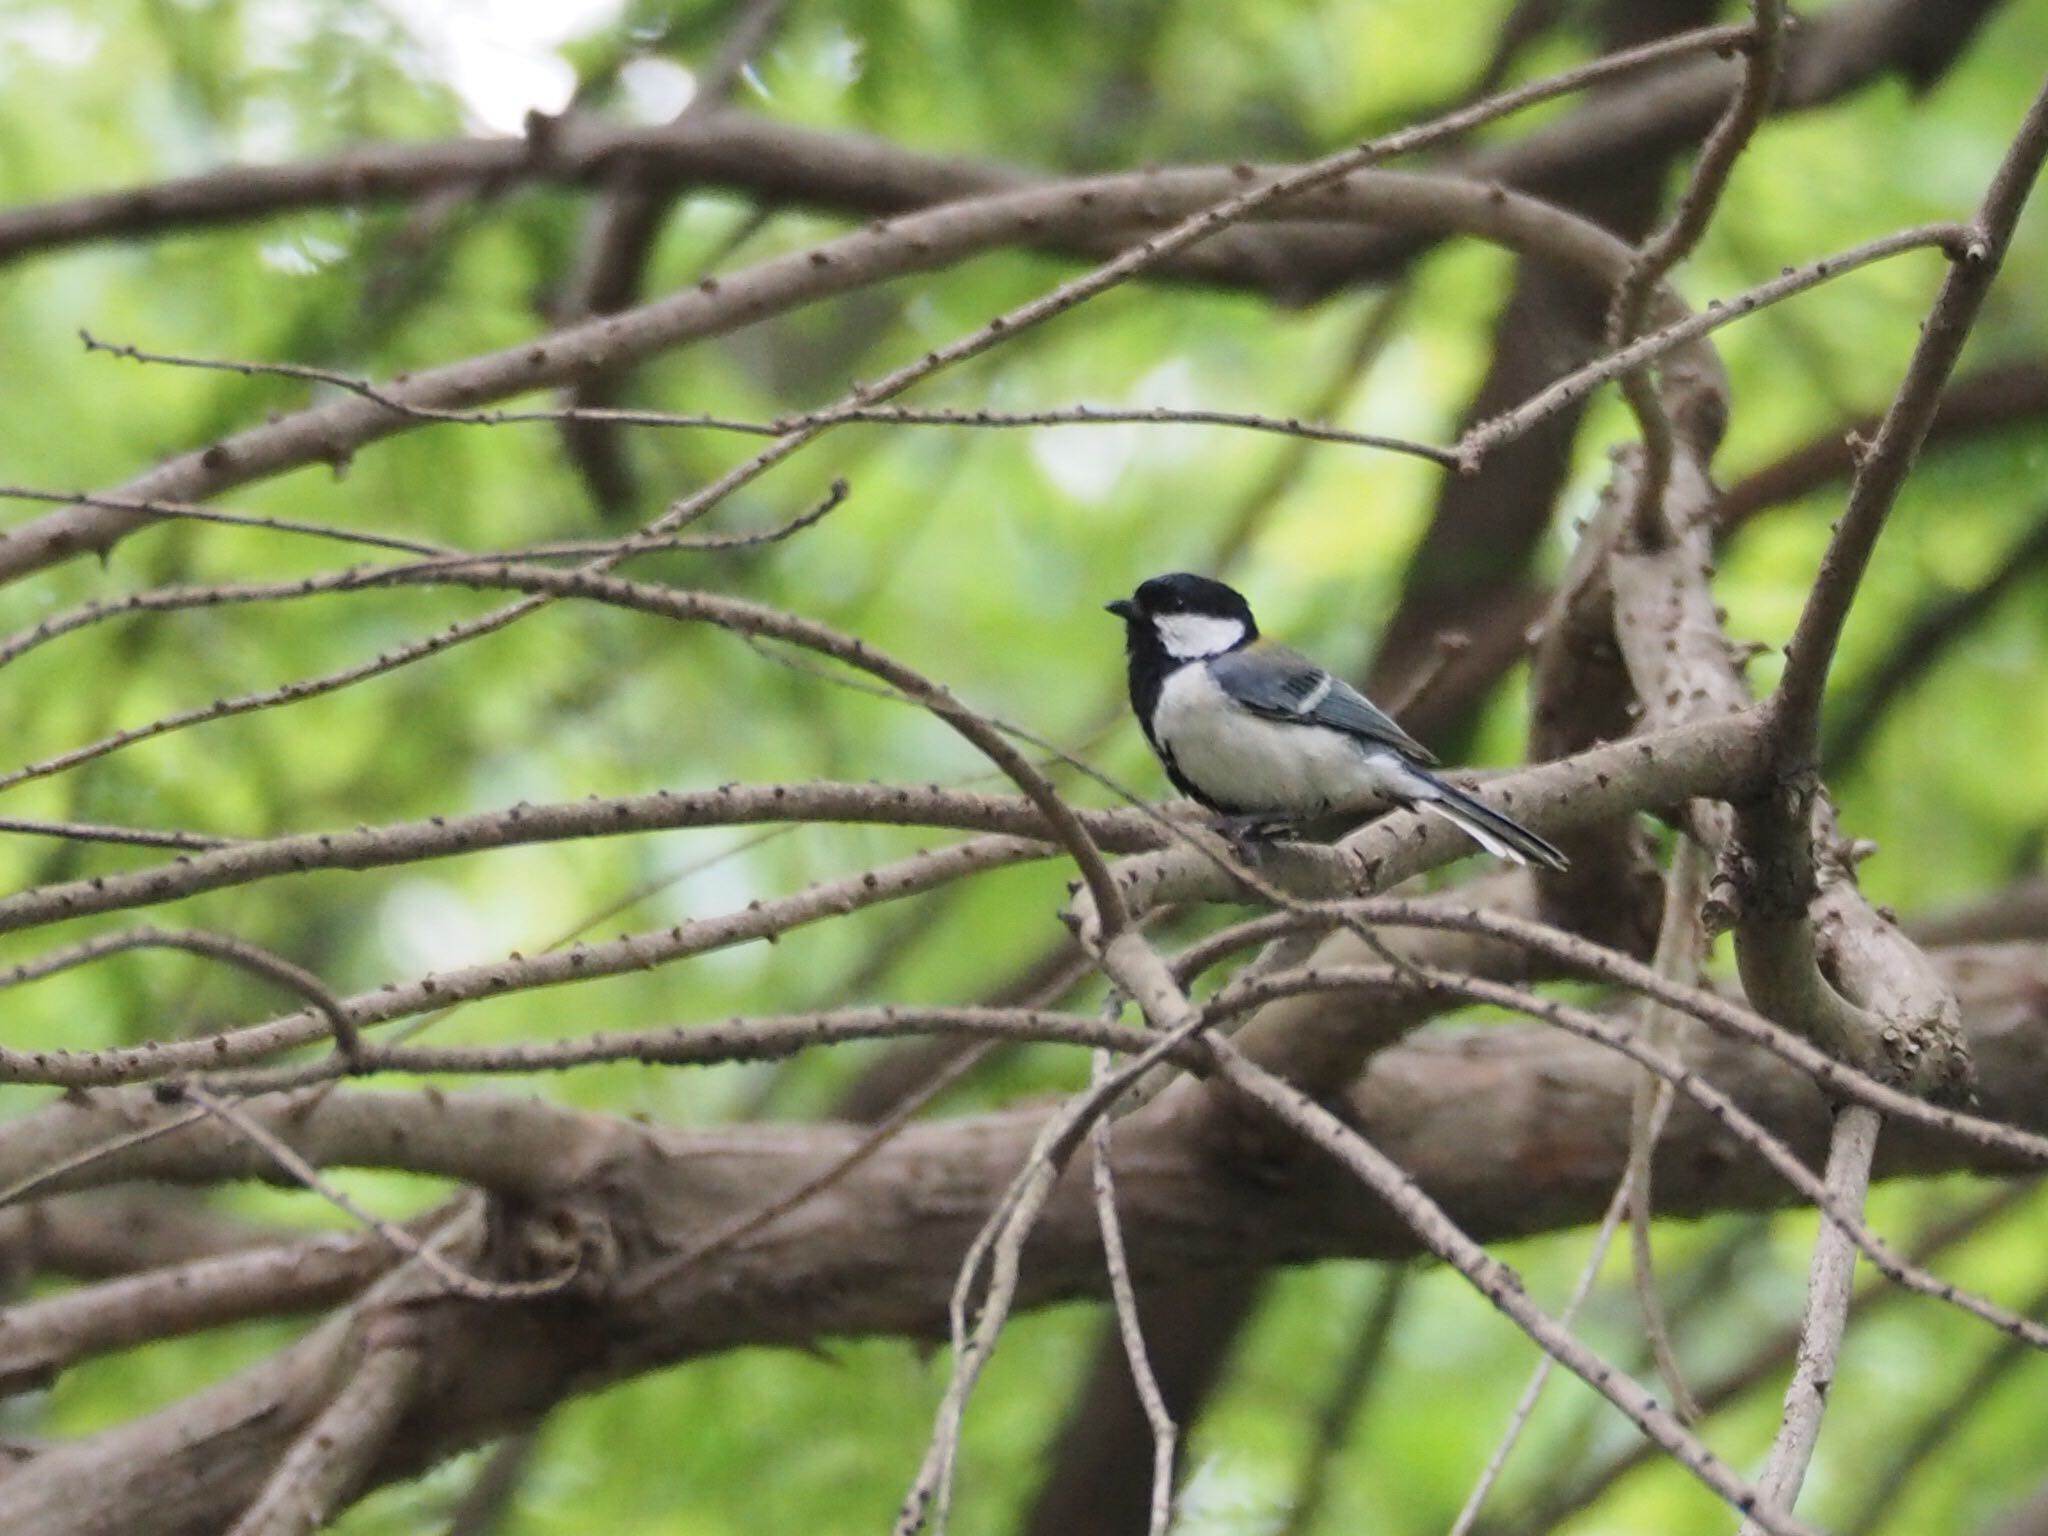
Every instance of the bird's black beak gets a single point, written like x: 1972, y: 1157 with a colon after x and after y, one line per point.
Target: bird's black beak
x: 1123, y: 608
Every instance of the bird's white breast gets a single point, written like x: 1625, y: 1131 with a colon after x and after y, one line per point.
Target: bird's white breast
x: 1250, y: 764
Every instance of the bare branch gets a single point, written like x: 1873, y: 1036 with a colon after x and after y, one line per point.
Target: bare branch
x: 1124, y: 1298
x: 409, y: 842
x: 196, y: 513
x: 135, y: 837
x: 287, y: 1157
x: 1796, y: 706
x: 239, y: 953
x: 1952, y: 239
x: 1347, y: 1399
x: 40, y: 1338
x: 1210, y: 200
x: 1539, y: 1375
x: 1492, y: 1279
x: 884, y: 415
x: 582, y: 962
x: 1681, y: 947
x: 1850, y: 1155
x: 1670, y: 245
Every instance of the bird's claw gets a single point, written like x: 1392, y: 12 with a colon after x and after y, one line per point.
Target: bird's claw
x: 1250, y: 836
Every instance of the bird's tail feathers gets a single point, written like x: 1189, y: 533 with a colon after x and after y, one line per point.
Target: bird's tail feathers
x: 1499, y: 834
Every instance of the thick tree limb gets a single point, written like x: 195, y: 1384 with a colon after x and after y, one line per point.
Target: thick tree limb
x: 117, y: 1232
x: 1512, y: 1130
x: 1835, y: 53
x: 40, y: 1338
x: 776, y: 162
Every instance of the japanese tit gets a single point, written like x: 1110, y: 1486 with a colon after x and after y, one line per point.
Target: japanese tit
x: 1262, y: 734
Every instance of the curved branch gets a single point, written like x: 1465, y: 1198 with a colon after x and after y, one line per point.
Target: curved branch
x: 331, y: 432
x: 1512, y: 1131
x: 583, y: 962
x: 438, y: 837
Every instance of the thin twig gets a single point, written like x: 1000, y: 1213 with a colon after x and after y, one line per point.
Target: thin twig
x: 1670, y: 245
x: 193, y: 512
x: 287, y: 1157
x: 322, y: 1467
x: 780, y: 426
x: 1890, y: 456
x: 997, y: 1252
x: 1485, y: 436
x: 85, y: 1157
x: 1828, y: 1289
x: 1491, y: 1279
x: 240, y: 953
x: 1445, y: 648
x: 99, y: 832
x: 1546, y: 1363
x: 872, y: 1140
x: 1346, y: 1404
x: 1681, y: 942
x: 997, y: 1248
x: 1129, y: 1326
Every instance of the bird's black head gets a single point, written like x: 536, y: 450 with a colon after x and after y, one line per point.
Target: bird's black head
x: 1185, y: 617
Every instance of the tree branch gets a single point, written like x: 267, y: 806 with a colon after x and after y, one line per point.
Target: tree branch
x: 332, y: 432
x: 1851, y: 1151
x: 1457, y: 1112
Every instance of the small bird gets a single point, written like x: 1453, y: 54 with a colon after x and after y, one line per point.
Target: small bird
x: 1266, y: 737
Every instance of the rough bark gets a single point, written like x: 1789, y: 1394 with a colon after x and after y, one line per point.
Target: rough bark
x: 1515, y: 1130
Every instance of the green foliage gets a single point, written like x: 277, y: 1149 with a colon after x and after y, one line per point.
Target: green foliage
x: 979, y: 557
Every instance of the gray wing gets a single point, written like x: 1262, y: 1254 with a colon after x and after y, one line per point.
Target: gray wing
x: 1282, y: 684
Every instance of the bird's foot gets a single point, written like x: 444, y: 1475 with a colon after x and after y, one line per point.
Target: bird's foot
x: 1250, y: 836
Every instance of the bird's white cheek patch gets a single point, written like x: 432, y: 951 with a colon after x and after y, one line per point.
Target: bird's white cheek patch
x: 1190, y: 635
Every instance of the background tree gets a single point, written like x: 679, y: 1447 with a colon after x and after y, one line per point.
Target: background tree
x: 636, y: 494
